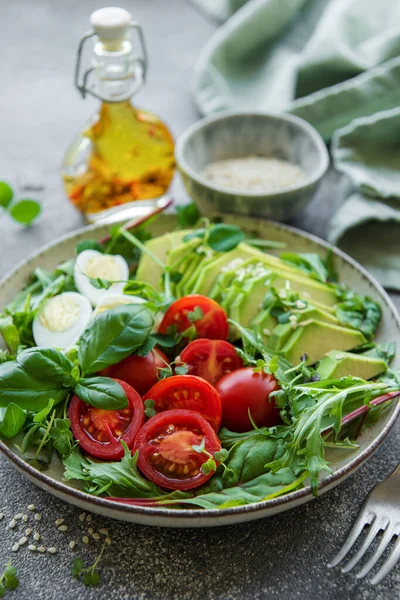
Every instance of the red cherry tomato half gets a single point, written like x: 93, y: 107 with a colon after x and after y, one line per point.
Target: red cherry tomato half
x: 166, y: 455
x: 99, y: 432
x: 139, y: 371
x: 213, y: 324
x: 210, y: 359
x: 190, y: 393
x: 243, y: 391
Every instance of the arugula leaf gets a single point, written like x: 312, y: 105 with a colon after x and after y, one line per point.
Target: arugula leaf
x: 121, y: 478
x: 360, y: 312
x: 12, y: 421
x: 312, y: 264
x: 112, y: 335
x: 187, y: 215
x: 101, y: 392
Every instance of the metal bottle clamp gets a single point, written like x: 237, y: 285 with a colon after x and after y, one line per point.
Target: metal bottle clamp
x: 83, y: 84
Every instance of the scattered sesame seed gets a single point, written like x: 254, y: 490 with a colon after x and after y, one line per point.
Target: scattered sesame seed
x: 59, y: 522
x: 23, y: 540
x: 72, y: 544
x: 1, y: 516
x: 52, y: 550
x: 28, y: 531
x: 25, y: 518
x: 41, y: 549
x: 32, y: 547
x: 108, y: 541
x: 85, y: 539
x: 89, y: 518
x: 15, y: 548
x: 104, y: 531
x: 63, y: 528
x: 31, y: 507
x: 18, y: 517
x: 36, y: 537
x: 38, y: 517
x: 339, y: 356
x: 12, y: 524
x: 82, y: 517
x: 90, y: 530
x: 96, y: 536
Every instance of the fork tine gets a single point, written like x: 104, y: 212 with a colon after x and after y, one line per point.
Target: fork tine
x: 385, y: 541
x: 376, y: 525
x: 388, y: 565
x: 364, y: 518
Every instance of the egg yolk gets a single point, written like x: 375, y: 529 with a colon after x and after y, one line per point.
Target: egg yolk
x: 105, y: 267
x: 60, y: 313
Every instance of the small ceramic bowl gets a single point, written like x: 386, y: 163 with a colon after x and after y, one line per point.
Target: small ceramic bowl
x: 235, y: 134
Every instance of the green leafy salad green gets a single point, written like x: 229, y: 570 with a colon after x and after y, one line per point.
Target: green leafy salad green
x: 288, y: 319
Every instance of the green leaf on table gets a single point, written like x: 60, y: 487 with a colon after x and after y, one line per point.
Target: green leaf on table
x: 12, y: 421
x: 101, y: 392
x: 25, y: 211
x: 113, y: 335
x: 6, y: 194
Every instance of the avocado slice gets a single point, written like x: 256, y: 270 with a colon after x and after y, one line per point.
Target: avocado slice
x: 187, y: 269
x: 336, y: 364
x: 148, y: 270
x: 208, y: 276
x: 190, y: 283
x: 279, y: 336
x: 312, y: 312
x: 316, y: 338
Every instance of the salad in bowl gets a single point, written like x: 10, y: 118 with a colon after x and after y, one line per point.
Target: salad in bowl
x: 199, y: 369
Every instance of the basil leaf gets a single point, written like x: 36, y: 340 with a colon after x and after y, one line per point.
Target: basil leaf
x: 12, y: 422
x: 19, y: 385
x: 47, y: 365
x: 10, y: 333
x: 223, y: 238
x: 42, y: 414
x: 101, y: 392
x: 112, y: 335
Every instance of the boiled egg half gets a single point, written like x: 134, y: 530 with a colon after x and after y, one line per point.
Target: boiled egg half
x: 61, y: 320
x: 111, y: 300
x: 93, y: 264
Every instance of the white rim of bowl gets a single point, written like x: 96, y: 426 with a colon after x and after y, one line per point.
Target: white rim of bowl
x: 301, y: 123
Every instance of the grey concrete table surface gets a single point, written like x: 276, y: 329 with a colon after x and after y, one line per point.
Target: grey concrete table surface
x: 282, y: 557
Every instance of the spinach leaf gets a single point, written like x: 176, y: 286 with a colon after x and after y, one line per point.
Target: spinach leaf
x: 10, y: 333
x: 112, y: 335
x: 12, y: 422
x: 120, y: 479
x: 101, y: 392
x: 187, y: 215
x: 360, y: 312
x: 223, y: 238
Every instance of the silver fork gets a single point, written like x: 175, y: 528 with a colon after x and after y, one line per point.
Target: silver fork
x: 381, y: 511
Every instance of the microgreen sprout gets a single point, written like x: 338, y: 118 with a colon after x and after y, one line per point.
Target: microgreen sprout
x: 149, y: 408
x: 88, y: 575
x: 210, y: 465
x: 8, y: 580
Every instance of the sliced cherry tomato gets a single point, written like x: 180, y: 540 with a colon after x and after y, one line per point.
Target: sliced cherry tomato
x: 99, y: 432
x: 210, y: 359
x: 188, y: 392
x: 139, y: 371
x: 243, y: 391
x: 212, y: 324
x: 166, y: 455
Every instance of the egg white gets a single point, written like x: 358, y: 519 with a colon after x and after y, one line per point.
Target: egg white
x: 106, y: 266
x: 111, y: 300
x: 61, y: 320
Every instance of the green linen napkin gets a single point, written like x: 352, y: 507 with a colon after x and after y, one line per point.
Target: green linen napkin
x: 337, y: 65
